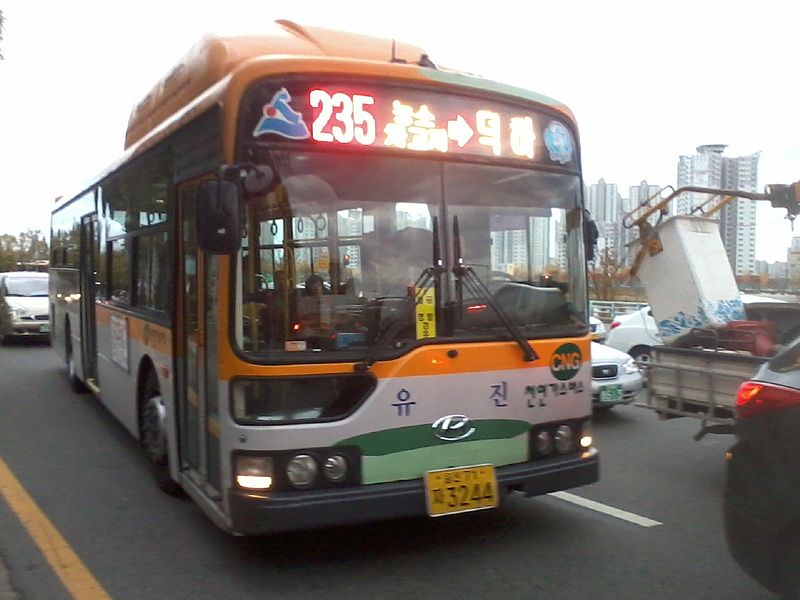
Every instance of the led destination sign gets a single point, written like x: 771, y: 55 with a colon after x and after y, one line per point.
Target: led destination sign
x: 410, y: 120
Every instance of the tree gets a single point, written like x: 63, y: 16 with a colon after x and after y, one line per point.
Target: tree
x: 25, y: 251
x: 8, y: 259
x: 2, y: 22
x: 606, y: 275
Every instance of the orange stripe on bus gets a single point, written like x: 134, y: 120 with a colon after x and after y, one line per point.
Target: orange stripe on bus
x: 152, y: 336
x: 428, y: 360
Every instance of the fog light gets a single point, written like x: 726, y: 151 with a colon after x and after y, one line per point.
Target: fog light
x: 563, y: 438
x: 302, y: 470
x: 335, y: 467
x: 586, y: 441
x: 254, y: 472
x: 544, y: 442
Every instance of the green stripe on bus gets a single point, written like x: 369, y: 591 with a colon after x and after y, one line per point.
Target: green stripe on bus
x: 413, y: 464
x: 489, y: 86
x: 389, y: 441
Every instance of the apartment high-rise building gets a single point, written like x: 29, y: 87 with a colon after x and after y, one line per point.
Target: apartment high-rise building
x: 793, y: 258
x: 603, y: 201
x: 521, y: 246
x: 709, y: 168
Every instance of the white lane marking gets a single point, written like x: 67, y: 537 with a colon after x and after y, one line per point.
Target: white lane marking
x: 605, y: 509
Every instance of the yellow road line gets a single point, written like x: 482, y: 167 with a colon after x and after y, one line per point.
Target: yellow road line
x: 78, y: 580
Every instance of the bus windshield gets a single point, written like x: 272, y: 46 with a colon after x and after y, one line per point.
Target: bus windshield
x: 333, y: 250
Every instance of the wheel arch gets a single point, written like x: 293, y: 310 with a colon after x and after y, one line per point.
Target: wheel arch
x: 147, y: 368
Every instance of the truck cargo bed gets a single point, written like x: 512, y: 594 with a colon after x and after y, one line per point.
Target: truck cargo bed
x: 697, y: 382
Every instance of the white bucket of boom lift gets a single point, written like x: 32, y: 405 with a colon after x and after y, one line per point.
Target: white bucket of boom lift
x: 690, y: 283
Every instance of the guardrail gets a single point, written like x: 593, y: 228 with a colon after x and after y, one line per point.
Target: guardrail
x: 606, y: 310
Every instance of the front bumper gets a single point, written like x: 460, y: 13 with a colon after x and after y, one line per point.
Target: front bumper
x: 631, y: 386
x: 258, y: 513
x: 28, y: 327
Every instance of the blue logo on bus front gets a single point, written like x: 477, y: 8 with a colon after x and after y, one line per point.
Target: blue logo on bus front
x: 281, y: 119
x: 558, y: 140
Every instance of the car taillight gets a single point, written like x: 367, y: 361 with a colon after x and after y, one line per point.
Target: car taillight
x: 613, y: 324
x: 758, y: 398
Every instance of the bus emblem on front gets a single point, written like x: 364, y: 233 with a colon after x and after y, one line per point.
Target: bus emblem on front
x: 453, y: 428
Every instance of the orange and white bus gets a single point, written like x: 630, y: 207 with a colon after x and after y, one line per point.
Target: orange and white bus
x: 330, y: 282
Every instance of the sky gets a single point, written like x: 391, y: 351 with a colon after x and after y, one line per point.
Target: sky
x: 647, y: 81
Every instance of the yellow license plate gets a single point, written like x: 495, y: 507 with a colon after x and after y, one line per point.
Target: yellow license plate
x: 464, y: 489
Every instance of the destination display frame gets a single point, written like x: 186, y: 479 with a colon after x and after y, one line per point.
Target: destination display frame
x: 376, y: 115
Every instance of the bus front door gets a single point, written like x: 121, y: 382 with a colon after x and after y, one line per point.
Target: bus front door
x: 197, y: 398
x: 89, y: 258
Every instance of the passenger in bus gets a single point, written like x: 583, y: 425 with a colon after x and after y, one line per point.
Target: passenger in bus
x: 314, y: 285
x: 309, y: 306
x: 273, y: 314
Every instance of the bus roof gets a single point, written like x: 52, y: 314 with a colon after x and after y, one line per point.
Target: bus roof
x: 213, y: 57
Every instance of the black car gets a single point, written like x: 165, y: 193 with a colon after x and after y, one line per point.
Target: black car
x: 761, y: 505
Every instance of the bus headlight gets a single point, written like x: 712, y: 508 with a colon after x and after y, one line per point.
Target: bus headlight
x: 586, y: 436
x: 302, y: 470
x: 564, y: 438
x: 253, y: 472
x: 544, y: 442
x: 335, y: 467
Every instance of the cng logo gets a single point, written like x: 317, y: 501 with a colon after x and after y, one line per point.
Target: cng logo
x: 566, y: 362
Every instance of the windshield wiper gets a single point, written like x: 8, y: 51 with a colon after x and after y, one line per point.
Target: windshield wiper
x: 466, y: 277
x: 430, y: 276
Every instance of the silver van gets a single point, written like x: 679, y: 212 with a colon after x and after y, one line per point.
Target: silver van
x: 24, y: 305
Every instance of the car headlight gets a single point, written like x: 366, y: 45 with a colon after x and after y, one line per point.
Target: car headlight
x: 630, y: 367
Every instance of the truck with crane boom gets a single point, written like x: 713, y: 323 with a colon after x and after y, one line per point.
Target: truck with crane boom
x: 710, y: 343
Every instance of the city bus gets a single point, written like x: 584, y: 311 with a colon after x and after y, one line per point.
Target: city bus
x: 329, y: 281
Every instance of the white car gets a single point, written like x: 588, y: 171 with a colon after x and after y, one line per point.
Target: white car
x: 24, y: 305
x: 634, y: 333
x: 616, y: 378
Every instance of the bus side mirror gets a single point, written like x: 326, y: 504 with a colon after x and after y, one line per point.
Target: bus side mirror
x: 219, y: 217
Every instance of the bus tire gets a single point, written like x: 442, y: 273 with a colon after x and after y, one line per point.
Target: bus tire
x: 72, y: 372
x: 153, y: 435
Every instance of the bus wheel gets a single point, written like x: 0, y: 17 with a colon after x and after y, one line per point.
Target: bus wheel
x: 153, y: 435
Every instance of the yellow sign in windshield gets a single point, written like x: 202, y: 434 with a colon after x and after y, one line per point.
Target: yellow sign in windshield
x: 426, y: 314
